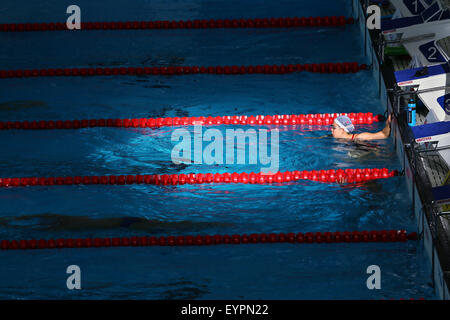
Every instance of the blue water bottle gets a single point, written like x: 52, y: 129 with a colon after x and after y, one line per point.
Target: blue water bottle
x: 412, y: 112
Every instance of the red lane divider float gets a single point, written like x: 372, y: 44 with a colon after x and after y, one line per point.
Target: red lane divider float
x: 344, y: 67
x: 200, y: 240
x: 327, y: 21
x: 293, y: 119
x: 328, y: 176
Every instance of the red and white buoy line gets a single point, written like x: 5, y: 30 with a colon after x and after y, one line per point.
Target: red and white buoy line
x: 330, y: 67
x: 328, y: 176
x: 327, y: 21
x: 319, y: 119
x: 204, y: 240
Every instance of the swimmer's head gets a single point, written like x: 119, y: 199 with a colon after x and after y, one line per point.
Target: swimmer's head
x: 341, y: 126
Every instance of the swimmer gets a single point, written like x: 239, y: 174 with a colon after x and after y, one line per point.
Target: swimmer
x: 343, y: 127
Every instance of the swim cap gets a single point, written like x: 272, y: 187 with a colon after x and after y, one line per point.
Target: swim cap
x: 345, y: 123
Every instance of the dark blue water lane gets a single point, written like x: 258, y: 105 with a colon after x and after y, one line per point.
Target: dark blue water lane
x: 275, y: 271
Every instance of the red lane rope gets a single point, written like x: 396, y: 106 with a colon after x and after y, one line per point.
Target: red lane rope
x: 287, y: 119
x: 329, y: 176
x: 330, y: 21
x: 200, y: 240
x: 344, y: 67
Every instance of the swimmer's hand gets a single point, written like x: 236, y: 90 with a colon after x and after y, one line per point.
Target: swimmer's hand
x: 387, y: 128
x: 389, y: 119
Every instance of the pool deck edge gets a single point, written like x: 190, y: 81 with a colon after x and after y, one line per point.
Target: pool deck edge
x: 434, y: 236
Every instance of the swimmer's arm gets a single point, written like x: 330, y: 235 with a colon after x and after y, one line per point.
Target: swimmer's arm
x: 383, y: 134
x: 371, y: 136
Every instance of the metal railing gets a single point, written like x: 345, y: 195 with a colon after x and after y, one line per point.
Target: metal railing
x: 382, y: 42
x: 413, y: 92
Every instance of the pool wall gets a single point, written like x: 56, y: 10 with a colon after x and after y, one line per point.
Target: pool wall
x: 420, y: 202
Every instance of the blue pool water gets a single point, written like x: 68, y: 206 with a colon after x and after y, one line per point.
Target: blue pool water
x: 275, y: 271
